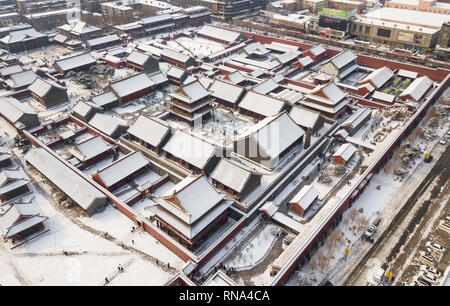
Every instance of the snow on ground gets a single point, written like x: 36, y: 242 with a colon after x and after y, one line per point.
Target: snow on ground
x: 372, y: 201
x: 228, y: 248
x: 200, y: 46
x: 256, y: 248
x: 119, y: 226
x: 140, y: 273
x: 91, y: 257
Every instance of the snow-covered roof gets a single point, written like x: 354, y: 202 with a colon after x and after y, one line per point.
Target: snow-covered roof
x: 122, y: 168
x: 231, y: 174
x: 379, y: 77
x: 41, y: 87
x: 257, y: 73
x: 266, y: 86
x: 306, y: 61
x: 82, y: 108
x: 288, y: 95
x: 261, y: 104
x: 379, y: 95
x: 83, y: 28
x: 131, y: 85
x: 129, y: 26
x: 75, y: 61
x: 8, y: 70
x: 191, y: 92
x: 175, y: 72
x: 103, y: 40
x: 158, y: 77
x: 219, y: 34
x: 236, y: 77
x: 152, y: 130
x: 13, y: 109
x: 333, y: 94
x: 417, y: 88
x: 11, y: 180
x: 91, y: 147
x: 219, y: 279
x: 192, y: 198
x: 274, y: 134
x: 269, y: 208
x: 288, y: 56
x: 21, y: 36
x: 17, y: 217
x: 343, y: 59
x: 226, y: 91
x: 345, y: 151
x: 317, y: 50
x: 156, y: 19
x: 205, y: 81
x: 407, y: 74
x: 78, y: 189
x: 177, y: 56
x: 60, y: 38
x: 104, y: 98
x: 304, y: 117
x: 405, y: 16
x: 190, y: 148
x: 106, y: 123
x: 138, y: 58
x: 20, y: 79
x: 357, y: 117
x: 305, y: 197
x: 257, y: 48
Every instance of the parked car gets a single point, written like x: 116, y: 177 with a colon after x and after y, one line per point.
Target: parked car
x: 435, y: 247
x: 420, y: 279
x: 426, y: 259
x: 420, y: 283
x: 428, y: 276
x: 370, y: 231
x: 430, y: 270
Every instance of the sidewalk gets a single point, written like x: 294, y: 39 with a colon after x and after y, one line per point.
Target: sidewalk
x: 392, y: 209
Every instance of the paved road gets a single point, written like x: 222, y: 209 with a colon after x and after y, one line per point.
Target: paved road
x: 441, y: 170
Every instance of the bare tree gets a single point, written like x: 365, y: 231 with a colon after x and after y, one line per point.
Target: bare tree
x: 389, y: 166
x: 313, y: 263
x: 345, y: 222
x: 353, y: 214
x: 323, y: 262
x: 362, y: 222
x: 339, y: 235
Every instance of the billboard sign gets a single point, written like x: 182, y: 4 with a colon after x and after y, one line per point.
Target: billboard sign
x: 333, y: 23
x: 337, y: 13
x: 404, y: 36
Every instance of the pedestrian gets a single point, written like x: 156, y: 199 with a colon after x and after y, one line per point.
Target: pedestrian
x: 106, y: 280
x: 132, y: 241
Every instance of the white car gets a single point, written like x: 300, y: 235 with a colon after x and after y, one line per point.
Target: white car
x: 430, y: 270
x: 370, y: 231
x: 435, y: 247
x: 443, y: 141
x: 428, y: 276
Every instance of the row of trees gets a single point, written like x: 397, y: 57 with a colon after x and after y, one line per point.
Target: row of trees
x: 337, y: 239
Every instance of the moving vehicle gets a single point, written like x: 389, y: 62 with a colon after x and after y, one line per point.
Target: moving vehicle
x: 443, y: 141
